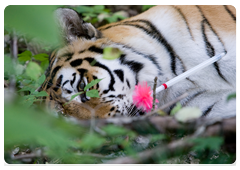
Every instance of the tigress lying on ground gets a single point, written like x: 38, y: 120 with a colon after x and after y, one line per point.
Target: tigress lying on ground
x: 164, y: 41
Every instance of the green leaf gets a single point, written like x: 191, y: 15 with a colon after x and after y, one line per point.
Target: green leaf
x: 41, y: 79
x: 26, y: 81
x: 34, y: 20
x: 92, y: 93
x: 176, y: 109
x: 33, y: 70
x: 114, y: 17
x: 34, y: 93
x: 93, y: 62
x: 111, y: 19
x: 89, y: 15
x: 83, y: 9
x: 98, y: 8
x: 19, y: 69
x: 113, y: 130
x: 91, y: 141
x: 25, y: 56
x: 44, y: 64
x: 41, y: 93
x: 110, y: 53
x: 41, y: 57
x: 28, y: 100
x: 24, y: 125
x: 157, y: 137
x: 75, y: 95
x: 212, y: 143
x: 29, y: 85
x: 92, y: 83
x: 188, y: 113
x: 26, y: 88
x: 146, y: 7
x: 231, y: 96
x: 8, y: 65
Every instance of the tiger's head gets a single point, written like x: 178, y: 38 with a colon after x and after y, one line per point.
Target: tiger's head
x: 80, y: 61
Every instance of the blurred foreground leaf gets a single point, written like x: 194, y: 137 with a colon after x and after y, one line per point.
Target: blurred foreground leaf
x: 87, y: 141
x: 113, y: 130
x: 41, y: 79
x: 33, y: 70
x: 212, y: 143
x: 8, y: 66
x: 33, y: 20
x: 27, y: 126
x: 41, y: 57
x: 157, y: 137
x: 188, y: 113
x: 146, y: 7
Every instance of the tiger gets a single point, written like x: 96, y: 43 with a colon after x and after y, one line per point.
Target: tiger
x: 162, y: 42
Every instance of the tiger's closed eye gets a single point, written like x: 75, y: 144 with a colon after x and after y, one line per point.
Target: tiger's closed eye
x: 68, y: 91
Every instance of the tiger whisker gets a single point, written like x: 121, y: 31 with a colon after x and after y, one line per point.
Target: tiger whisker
x: 129, y: 109
x: 134, y: 113
x: 132, y: 110
x: 138, y: 110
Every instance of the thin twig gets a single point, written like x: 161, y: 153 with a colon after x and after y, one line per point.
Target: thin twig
x: 26, y: 156
x: 184, y: 95
x: 14, y: 54
x: 36, y: 154
x: 154, y: 93
x: 14, y: 46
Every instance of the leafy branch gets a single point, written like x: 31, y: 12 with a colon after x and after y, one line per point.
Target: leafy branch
x: 89, y: 93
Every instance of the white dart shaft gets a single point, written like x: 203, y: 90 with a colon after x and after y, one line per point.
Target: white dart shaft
x: 190, y: 72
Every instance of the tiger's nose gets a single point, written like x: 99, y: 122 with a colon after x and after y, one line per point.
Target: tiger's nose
x: 83, y: 97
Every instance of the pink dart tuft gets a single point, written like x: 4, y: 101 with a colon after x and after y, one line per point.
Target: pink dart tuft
x: 142, y: 97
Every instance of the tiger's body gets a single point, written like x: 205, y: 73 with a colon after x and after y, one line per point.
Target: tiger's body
x: 164, y: 41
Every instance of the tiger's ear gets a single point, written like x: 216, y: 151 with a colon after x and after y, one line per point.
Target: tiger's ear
x: 72, y: 26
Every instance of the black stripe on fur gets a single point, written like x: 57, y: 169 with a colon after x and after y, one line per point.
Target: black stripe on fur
x: 96, y: 49
x: 74, y: 78
x: 54, y: 72
x: 154, y: 33
x: 120, y: 74
x: 133, y: 65
x: 76, y: 62
x: 230, y: 12
x: 208, y: 110
x: 149, y: 57
x: 209, y: 48
x: 185, y: 20
x: 97, y: 64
